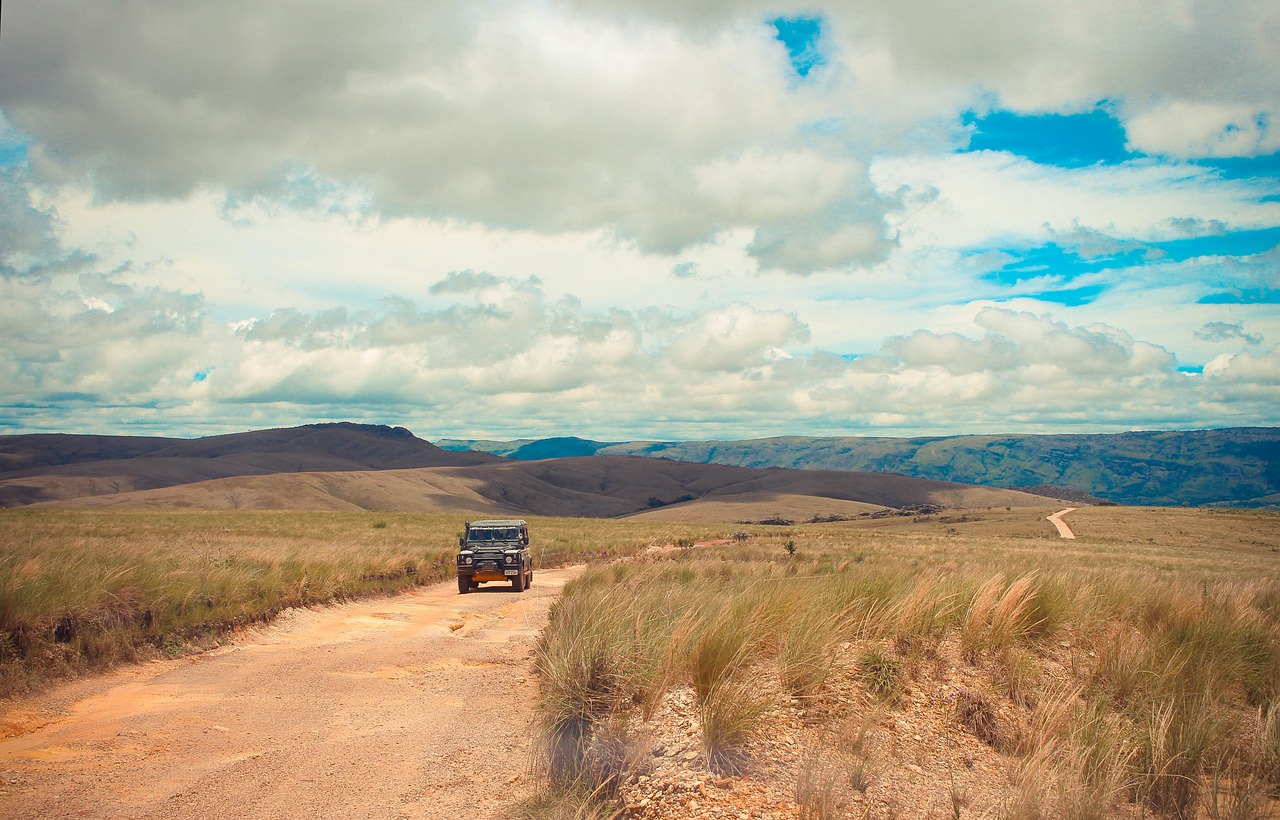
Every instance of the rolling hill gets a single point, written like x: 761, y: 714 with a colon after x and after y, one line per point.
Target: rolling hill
x: 591, y: 487
x: 358, y: 467
x: 49, y: 467
x: 1237, y: 466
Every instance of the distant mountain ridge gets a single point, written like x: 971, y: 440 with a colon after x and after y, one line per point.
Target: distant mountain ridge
x: 368, y: 467
x: 1229, y: 467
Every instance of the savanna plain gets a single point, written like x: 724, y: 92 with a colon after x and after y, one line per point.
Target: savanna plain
x: 961, y: 663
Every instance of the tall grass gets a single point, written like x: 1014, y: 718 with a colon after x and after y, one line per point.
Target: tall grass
x: 1179, y: 739
x: 1162, y: 670
x: 81, y: 590
x: 1267, y: 753
x: 1137, y: 667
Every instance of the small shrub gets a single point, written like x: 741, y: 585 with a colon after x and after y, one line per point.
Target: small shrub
x: 974, y: 712
x: 882, y: 673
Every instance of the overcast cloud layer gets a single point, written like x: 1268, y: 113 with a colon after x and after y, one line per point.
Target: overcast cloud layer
x: 638, y: 219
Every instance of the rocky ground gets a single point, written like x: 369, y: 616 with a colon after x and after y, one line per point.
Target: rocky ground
x: 849, y: 753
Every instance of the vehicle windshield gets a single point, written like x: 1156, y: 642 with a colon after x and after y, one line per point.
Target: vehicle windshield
x: 494, y: 534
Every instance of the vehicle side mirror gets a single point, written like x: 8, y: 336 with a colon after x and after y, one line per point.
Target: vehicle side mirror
x: 462, y: 540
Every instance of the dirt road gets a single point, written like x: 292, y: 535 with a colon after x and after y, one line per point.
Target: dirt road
x: 414, y: 706
x: 1064, y: 529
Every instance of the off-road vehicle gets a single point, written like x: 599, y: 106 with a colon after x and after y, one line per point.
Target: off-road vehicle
x: 495, y: 551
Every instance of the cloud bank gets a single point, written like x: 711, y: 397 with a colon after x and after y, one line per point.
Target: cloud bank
x: 640, y: 218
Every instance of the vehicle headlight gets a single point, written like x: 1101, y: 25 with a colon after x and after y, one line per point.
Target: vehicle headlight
x: 511, y: 559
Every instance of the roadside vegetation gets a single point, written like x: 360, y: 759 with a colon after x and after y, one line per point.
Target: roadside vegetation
x: 956, y: 664
x: 921, y: 667
x: 85, y: 589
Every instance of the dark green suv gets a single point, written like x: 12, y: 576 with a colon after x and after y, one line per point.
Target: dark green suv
x: 495, y: 551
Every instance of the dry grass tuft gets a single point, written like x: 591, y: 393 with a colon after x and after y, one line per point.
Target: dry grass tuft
x: 1267, y: 755
x: 882, y: 673
x: 977, y: 622
x: 974, y: 712
x: 919, y: 620
x: 821, y: 791
x: 1178, y: 741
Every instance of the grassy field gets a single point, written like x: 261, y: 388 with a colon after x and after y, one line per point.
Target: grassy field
x: 84, y: 589
x: 1134, y: 670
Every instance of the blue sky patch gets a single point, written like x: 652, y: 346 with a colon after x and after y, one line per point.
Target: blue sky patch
x: 13, y: 152
x: 1232, y: 243
x: 1242, y: 296
x: 1070, y: 297
x: 801, y: 35
x: 1246, y: 167
x: 1063, y: 140
x: 1066, y: 263
x: 1053, y: 260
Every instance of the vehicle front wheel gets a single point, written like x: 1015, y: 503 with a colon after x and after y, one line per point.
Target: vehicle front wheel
x: 528, y: 582
x: 464, y: 585
x: 517, y: 582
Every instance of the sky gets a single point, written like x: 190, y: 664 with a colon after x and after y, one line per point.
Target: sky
x: 639, y: 220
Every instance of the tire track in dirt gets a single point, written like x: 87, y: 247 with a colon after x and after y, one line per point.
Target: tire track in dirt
x: 419, y: 705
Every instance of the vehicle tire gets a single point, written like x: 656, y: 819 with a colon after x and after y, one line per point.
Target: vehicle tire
x: 529, y: 581
x: 517, y: 582
x: 464, y: 585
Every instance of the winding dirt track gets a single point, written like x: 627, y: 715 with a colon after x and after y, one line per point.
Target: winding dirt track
x: 415, y: 706
x: 1064, y: 529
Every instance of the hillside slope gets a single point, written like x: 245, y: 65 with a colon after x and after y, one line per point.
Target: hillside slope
x: 39, y: 468
x: 1238, y: 466
x: 590, y: 487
